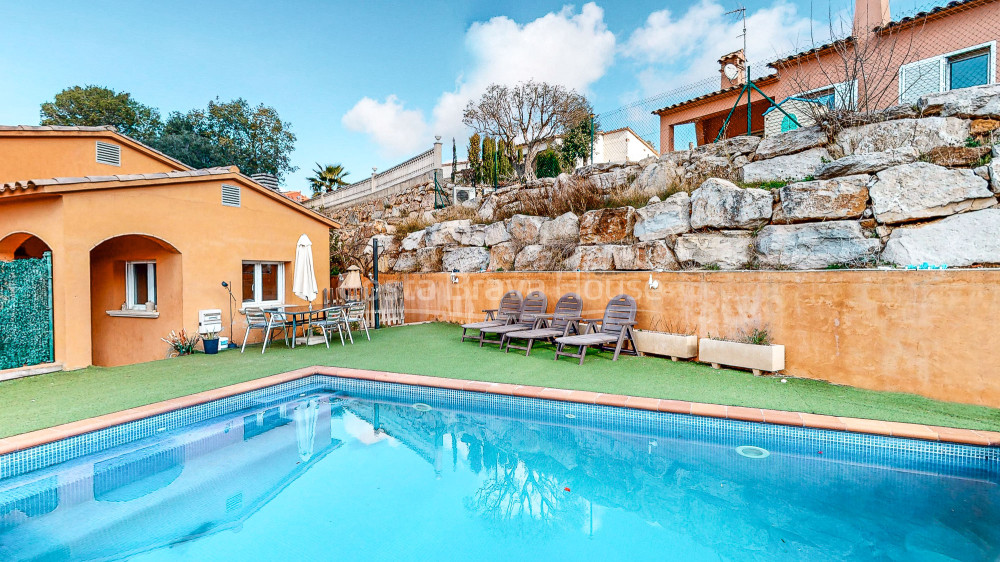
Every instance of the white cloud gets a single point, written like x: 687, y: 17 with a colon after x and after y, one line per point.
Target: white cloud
x: 570, y: 48
x: 397, y: 131
x: 680, y: 49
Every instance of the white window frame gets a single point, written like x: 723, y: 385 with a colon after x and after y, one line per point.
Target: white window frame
x: 944, y: 80
x: 258, y: 281
x: 837, y: 89
x: 130, y: 295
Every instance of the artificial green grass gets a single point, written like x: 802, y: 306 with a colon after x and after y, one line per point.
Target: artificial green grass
x: 434, y: 349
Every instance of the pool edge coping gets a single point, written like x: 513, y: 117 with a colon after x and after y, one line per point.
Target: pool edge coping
x: 759, y: 415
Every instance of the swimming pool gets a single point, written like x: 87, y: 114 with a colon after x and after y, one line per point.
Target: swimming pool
x: 335, y: 468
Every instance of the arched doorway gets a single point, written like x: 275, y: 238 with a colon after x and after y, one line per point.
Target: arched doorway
x: 135, y: 298
x: 22, y: 245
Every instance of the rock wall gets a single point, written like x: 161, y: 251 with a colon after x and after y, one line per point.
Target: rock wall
x: 920, y: 186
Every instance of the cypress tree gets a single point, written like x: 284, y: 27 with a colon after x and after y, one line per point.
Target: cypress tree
x: 474, y: 163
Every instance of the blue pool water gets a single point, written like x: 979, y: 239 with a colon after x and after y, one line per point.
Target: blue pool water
x: 328, y: 468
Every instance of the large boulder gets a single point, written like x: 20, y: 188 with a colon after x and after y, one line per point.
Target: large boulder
x: 658, y: 177
x: 709, y: 167
x: 429, y: 259
x: 727, y: 249
x: 657, y: 221
x: 960, y: 240
x: 590, y: 258
x: 921, y: 190
x: 524, y: 228
x: 921, y: 134
x: 815, y: 245
x: 955, y: 156
x: 537, y: 257
x: 722, y: 204
x: 496, y: 233
x: 406, y: 262
x: 840, y: 198
x: 445, y: 233
x: 616, y: 179
x: 791, y: 142
x: 790, y: 167
x: 564, y: 228
x: 644, y: 256
x: 977, y: 102
x: 732, y: 146
x: 502, y: 257
x: 466, y: 259
x: 472, y: 235
x: 607, y: 226
x: 867, y: 162
x: 993, y: 171
x: 413, y: 240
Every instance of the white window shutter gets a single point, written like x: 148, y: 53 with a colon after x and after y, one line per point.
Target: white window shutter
x: 919, y: 78
x: 844, y: 95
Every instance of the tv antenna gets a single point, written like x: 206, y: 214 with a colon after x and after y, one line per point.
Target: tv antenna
x: 732, y: 72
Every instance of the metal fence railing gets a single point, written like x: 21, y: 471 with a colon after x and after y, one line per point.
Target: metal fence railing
x: 421, y: 166
x: 860, y: 66
x: 26, y: 312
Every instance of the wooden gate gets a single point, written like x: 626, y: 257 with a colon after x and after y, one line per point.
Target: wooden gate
x: 390, y: 305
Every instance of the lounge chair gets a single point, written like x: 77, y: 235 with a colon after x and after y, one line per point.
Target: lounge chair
x: 562, y: 322
x: 510, y: 305
x: 616, y: 328
x: 534, y: 305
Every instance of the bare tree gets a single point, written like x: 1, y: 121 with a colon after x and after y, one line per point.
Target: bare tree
x: 528, y: 115
x: 862, y: 67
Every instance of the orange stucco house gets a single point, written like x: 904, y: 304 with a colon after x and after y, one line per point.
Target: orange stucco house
x: 140, y: 242
x: 952, y: 46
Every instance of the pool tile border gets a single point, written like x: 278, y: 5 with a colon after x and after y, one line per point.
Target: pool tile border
x: 758, y: 415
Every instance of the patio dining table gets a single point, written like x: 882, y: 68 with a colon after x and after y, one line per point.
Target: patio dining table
x: 301, y: 315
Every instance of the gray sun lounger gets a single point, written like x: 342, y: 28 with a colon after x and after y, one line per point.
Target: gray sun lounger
x: 616, y: 329
x: 565, y: 320
x: 534, y: 305
x: 510, y: 306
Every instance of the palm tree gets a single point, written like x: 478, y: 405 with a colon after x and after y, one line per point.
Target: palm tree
x: 327, y: 178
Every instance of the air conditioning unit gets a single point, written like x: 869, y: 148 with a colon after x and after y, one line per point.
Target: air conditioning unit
x: 463, y: 194
x: 210, y: 321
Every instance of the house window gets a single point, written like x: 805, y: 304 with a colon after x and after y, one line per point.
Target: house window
x: 961, y: 69
x: 140, y: 284
x: 835, y: 96
x: 969, y: 69
x: 263, y: 282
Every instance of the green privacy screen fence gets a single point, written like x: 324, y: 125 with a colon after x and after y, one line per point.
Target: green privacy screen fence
x: 26, y: 312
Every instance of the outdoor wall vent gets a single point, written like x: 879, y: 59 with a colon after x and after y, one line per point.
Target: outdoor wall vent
x: 231, y: 195
x: 108, y: 153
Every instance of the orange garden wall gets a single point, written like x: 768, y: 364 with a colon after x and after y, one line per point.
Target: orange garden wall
x: 927, y: 332
x: 211, y: 242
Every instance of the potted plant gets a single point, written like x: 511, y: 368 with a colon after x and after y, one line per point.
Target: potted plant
x: 675, y: 342
x: 751, y: 348
x: 210, y: 341
x: 181, y: 343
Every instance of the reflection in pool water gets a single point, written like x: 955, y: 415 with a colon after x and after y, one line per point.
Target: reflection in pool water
x: 323, y: 476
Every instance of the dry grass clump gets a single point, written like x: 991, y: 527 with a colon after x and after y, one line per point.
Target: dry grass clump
x: 577, y: 196
x: 410, y: 225
x: 457, y: 212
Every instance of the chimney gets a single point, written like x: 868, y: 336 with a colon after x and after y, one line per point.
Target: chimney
x: 869, y: 14
x: 739, y: 60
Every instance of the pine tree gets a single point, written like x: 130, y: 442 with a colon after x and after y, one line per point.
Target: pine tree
x: 475, y: 164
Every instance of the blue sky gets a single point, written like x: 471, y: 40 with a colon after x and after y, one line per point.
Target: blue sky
x: 370, y: 83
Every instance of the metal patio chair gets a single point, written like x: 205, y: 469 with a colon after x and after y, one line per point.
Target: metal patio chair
x: 330, y: 319
x: 510, y: 306
x: 532, y: 307
x: 565, y: 320
x: 616, y: 328
x: 354, y: 313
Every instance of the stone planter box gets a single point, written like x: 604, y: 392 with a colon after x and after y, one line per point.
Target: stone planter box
x: 758, y: 358
x: 674, y: 346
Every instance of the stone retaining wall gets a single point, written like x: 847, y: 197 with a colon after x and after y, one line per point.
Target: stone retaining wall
x: 918, y: 187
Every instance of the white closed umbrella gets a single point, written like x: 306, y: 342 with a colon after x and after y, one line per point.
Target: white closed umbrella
x: 304, y: 280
